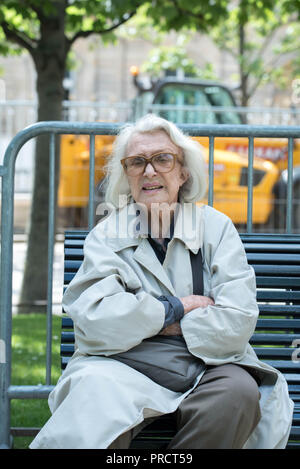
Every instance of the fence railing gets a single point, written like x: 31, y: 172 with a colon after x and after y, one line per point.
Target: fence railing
x: 7, y: 172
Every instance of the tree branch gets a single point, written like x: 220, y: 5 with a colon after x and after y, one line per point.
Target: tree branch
x: 183, y: 11
x: 255, y: 86
x: 84, y: 34
x: 21, y: 39
x: 264, y: 45
x: 228, y: 50
x: 35, y: 8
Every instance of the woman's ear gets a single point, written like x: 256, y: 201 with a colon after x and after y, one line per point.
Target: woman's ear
x: 184, y: 175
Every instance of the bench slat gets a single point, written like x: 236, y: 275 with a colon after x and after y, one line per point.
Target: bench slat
x: 295, y: 388
x: 66, y: 349
x: 273, y: 339
x: 285, y: 366
x: 271, y: 324
x: 274, y: 295
x: 282, y: 309
x: 74, y: 234
x: 74, y: 253
x: 274, y: 270
x: 67, y: 337
x: 67, y: 322
x: 278, y: 282
x: 72, y: 265
x: 273, y: 258
x: 275, y: 352
x: 272, y: 247
x: 273, y: 238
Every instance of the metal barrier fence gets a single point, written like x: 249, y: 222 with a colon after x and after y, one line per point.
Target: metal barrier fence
x: 18, y: 114
x: 7, y: 170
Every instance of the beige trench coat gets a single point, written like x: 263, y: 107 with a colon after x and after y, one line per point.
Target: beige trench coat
x: 113, y: 302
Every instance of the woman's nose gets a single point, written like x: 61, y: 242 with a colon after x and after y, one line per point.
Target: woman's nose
x: 149, y: 170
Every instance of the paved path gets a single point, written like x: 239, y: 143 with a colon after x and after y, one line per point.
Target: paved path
x: 18, y: 266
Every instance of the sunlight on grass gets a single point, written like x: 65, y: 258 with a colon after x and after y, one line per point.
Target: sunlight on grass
x: 29, y: 367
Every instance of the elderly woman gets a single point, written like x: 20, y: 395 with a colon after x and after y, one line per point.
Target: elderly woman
x: 136, y: 283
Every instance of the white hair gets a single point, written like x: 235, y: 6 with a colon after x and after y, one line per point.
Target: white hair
x: 193, y: 190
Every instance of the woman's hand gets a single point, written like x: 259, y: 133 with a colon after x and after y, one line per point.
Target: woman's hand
x: 189, y: 303
x: 195, y: 301
x: 172, y: 329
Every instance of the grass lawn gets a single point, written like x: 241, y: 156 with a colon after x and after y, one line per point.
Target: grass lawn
x: 29, y: 367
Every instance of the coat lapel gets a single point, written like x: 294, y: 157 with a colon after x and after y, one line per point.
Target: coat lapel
x: 178, y: 260
x: 145, y: 256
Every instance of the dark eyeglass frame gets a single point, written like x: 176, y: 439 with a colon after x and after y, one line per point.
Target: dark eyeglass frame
x: 149, y: 160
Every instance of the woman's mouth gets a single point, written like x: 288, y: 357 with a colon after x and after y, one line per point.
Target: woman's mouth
x: 152, y: 188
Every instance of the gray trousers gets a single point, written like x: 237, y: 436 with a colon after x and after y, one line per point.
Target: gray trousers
x: 220, y: 413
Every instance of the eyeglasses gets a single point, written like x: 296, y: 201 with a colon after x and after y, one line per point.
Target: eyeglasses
x: 161, y: 162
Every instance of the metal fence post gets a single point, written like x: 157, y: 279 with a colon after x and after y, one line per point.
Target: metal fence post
x: 7, y: 209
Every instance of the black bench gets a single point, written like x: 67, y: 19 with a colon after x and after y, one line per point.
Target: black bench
x: 276, y: 260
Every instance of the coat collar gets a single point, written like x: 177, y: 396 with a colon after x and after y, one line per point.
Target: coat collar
x: 189, y: 226
x: 145, y: 256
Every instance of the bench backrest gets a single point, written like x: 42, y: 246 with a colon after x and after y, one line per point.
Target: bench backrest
x: 276, y: 261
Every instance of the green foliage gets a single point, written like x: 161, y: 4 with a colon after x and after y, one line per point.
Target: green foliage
x: 291, y: 7
x: 178, y: 14
x: 251, y: 35
x: 142, y: 26
x: 246, y: 29
x: 172, y: 58
x: 22, y: 22
x: 163, y: 58
x: 290, y: 45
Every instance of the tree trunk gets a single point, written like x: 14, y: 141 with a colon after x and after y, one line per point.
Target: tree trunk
x: 50, y: 59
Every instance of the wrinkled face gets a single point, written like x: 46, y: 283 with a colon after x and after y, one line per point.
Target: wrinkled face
x: 152, y: 186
